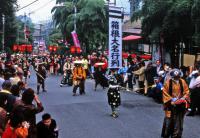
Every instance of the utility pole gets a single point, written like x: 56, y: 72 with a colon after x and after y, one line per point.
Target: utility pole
x: 3, y: 33
x: 75, y: 12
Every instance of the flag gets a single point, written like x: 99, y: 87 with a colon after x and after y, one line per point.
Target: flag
x: 75, y: 39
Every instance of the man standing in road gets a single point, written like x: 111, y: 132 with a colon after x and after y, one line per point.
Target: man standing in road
x: 79, y: 76
x: 41, y: 76
x: 175, y: 97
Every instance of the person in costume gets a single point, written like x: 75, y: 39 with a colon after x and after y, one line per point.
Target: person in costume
x: 175, y: 100
x: 79, y: 76
x: 114, y: 99
x: 41, y: 76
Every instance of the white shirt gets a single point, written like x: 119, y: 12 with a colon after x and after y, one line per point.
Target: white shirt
x: 195, y: 83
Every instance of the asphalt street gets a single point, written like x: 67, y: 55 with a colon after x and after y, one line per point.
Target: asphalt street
x: 88, y: 116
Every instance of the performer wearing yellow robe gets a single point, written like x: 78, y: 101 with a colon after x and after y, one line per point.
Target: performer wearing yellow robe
x: 175, y: 97
x: 79, y: 76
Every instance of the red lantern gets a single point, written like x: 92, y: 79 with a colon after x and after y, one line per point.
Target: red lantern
x: 15, y: 47
x: 23, y: 48
x: 72, y: 49
x: 54, y: 48
x: 29, y: 48
x: 78, y: 50
x: 50, y: 48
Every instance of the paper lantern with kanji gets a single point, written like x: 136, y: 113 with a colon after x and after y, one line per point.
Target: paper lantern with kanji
x: 15, y: 47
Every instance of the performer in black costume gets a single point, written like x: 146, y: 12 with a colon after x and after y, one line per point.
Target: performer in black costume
x: 114, y: 99
x: 41, y: 76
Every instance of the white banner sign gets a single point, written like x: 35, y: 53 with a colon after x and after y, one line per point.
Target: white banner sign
x: 115, y: 42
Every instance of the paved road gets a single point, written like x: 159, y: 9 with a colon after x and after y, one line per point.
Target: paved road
x: 88, y: 116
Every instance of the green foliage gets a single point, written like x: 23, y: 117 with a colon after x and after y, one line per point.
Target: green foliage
x: 7, y: 8
x: 177, y: 20
x: 91, y: 22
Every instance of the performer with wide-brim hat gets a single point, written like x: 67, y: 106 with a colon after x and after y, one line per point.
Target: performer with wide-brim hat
x: 79, y: 76
x: 99, y: 75
x: 175, y: 101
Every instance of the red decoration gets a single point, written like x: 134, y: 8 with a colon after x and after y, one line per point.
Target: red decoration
x: 29, y: 48
x: 15, y: 47
x: 23, y: 48
x: 78, y: 50
x: 72, y: 49
x: 50, y: 48
x: 146, y: 57
x: 54, y: 48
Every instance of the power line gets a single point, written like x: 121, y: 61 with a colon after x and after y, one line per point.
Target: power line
x: 27, y: 5
x: 41, y: 7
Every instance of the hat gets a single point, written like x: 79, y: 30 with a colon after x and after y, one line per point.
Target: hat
x: 78, y: 62
x: 176, y: 73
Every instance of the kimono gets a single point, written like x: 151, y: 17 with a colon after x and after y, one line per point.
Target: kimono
x: 114, y: 99
x: 174, y: 92
x: 79, y: 76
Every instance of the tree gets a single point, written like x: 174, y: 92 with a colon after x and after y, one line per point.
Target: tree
x: 170, y: 18
x: 7, y: 8
x: 196, y: 21
x: 91, y: 22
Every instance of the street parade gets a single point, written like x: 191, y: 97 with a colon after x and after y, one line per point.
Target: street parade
x: 99, y: 69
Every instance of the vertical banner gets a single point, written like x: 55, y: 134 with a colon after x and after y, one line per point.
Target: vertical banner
x: 115, y: 37
x: 75, y: 39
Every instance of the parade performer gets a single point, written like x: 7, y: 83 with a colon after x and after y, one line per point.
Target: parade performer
x: 114, y: 99
x: 175, y: 99
x: 79, y: 76
x: 99, y: 76
x: 41, y: 76
x: 25, y: 68
x: 67, y: 68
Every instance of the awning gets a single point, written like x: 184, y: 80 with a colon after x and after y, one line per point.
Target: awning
x: 131, y: 38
